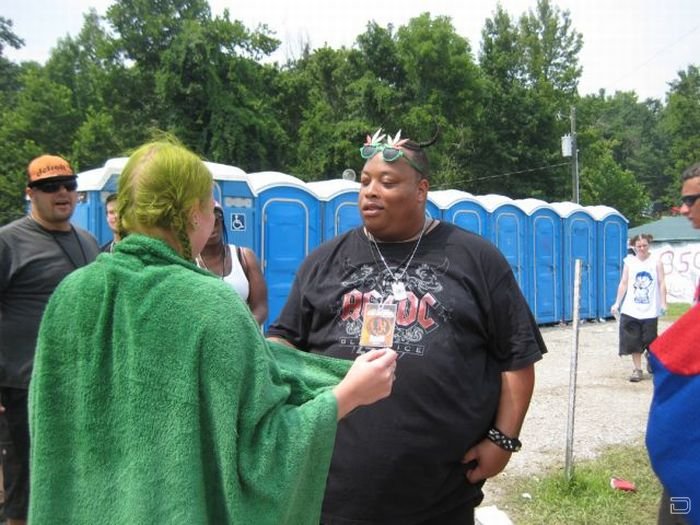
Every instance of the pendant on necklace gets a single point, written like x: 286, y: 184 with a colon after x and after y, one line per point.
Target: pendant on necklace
x: 399, y: 290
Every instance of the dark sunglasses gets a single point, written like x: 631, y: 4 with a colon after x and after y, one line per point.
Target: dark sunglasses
x: 689, y: 200
x: 389, y: 154
x: 53, y: 187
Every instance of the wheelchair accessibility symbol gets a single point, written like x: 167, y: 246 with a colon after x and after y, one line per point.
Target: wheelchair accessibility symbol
x: 238, y: 222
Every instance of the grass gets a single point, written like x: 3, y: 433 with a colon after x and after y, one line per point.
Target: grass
x: 588, y: 498
x: 675, y: 310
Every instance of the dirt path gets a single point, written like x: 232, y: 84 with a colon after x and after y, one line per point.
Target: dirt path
x: 609, y: 409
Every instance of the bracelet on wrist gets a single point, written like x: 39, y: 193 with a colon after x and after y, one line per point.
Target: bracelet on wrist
x: 506, y: 443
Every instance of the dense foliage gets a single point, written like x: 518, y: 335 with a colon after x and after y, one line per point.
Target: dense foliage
x: 170, y: 65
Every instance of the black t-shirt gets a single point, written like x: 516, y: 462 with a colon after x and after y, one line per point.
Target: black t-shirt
x: 33, y: 261
x: 463, y: 322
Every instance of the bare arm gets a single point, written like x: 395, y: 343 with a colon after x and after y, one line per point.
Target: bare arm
x: 621, y: 289
x: 662, y: 284
x: 370, y: 379
x: 257, y: 288
x: 516, y: 392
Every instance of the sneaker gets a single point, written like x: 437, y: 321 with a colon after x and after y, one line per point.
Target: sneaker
x: 636, y: 376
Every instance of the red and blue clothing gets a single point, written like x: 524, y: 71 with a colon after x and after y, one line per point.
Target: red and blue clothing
x: 673, y: 430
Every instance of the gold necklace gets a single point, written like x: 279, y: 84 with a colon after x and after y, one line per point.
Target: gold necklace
x: 200, y: 262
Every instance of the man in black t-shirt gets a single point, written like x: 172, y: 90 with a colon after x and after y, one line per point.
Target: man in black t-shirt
x: 466, y: 339
x: 36, y: 253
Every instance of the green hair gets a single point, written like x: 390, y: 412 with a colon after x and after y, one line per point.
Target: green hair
x: 160, y: 185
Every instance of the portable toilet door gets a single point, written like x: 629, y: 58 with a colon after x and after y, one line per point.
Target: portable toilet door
x: 611, y: 228
x: 289, y: 230
x: 86, y: 214
x: 508, y: 226
x: 233, y: 192
x: 93, y: 187
x: 339, y: 209
x: 579, y: 240
x: 462, y: 209
x: 544, y: 245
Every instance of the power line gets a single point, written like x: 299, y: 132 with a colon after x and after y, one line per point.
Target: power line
x: 519, y: 172
x: 659, y: 52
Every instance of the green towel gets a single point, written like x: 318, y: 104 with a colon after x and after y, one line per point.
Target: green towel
x: 155, y: 399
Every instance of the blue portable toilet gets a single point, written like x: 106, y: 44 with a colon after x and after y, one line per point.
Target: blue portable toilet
x: 236, y: 197
x: 289, y: 228
x: 339, y: 210
x: 579, y: 242
x: 508, y: 231
x: 432, y: 210
x: 112, y: 169
x: 462, y: 209
x: 545, y: 259
x: 93, y: 188
x: 87, y: 209
x: 611, y: 228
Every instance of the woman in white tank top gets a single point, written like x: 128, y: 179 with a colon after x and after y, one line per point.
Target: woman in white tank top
x: 236, y: 266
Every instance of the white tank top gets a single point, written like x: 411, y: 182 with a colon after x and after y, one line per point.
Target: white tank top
x: 642, y: 296
x: 237, y: 278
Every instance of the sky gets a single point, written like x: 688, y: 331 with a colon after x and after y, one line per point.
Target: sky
x: 629, y: 45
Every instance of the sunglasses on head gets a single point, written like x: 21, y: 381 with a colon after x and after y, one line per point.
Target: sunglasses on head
x: 689, y: 200
x: 389, y: 154
x: 53, y: 187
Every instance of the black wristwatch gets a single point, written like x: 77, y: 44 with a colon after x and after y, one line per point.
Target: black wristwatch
x: 503, y: 441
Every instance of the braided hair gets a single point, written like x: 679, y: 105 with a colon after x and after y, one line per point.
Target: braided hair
x: 160, y: 185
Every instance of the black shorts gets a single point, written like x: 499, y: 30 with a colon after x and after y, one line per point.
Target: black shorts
x: 636, y: 334
x: 15, y: 452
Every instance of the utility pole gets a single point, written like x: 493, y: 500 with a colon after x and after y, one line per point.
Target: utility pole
x: 569, y: 148
x: 574, y: 158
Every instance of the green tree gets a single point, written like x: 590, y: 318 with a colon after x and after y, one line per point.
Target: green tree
x: 9, y: 72
x: 147, y: 28
x: 325, y: 137
x: 633, y: 130
x: 8, y: 36
x: 532, y: 71
x: 11, y: 178
x: 550, y: 47
x: 444, y: 88
x: 603, y: 181
x: 681, y: 122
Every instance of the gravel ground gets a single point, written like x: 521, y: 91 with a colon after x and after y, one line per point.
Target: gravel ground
x: 609, y: 409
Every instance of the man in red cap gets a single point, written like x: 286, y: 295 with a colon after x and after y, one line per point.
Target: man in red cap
x: 36, y: 253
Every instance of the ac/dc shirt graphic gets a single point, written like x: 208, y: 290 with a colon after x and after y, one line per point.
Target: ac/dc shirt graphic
x: 417, y: 315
